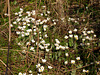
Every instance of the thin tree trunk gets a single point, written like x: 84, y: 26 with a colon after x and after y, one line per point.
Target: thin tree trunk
x: 9, y: 39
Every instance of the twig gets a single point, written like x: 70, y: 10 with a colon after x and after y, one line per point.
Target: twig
x: 9, y: 37
x: 78, y: 68
x: 5, y: 65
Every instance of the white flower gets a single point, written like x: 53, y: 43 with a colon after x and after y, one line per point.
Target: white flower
x: 66, y: 54
x: 14, y: 22
x: 28, y: 24
x: 6, y: 14
x: 48, y: 18
x: 48, y: 12
x: 46, y: 46
x: 67, y: 47
x: 33, y: 40
x: 16, y: 13
x: 94, y: 35
x: 62, y: 47
x: 41, y: 14
x: 45, y: 14
x: 26, y: 34
x: 73, y: 61
x: 35, y: 33
x: 84, y: 33
x: 34, y: 30
x: 66, y: 62
x: 20, y: 15
x: 56, y: 44
x: 43, y: 42
x: 19, y: 43
x: 22, y: 35
x: 22, y: 32
x: 66, y: 37
x: 11, y: 25
x: 23, y: 29
x: 29, y: 30
x: 41, y: 46
x: 86, y: 7
x: 19, y: 12
x: 76, y: 37
x: 97, y: 62
x: 76, y: 22
x: 37, y: 23
x: 70, y: 32
x: 88, y: 44
x: 32, y: 48
x: 45, y: 26
x: 28, y: 12
x: 28, y: 43
x: 49, y: 67
x: 24, y: 23
x: 87, y: 71
x: 24, y: 26
x: 33, y: 19
x: 39, y: 32
x: 27, y: 20
x: 41, y: 22
x: 46, y: 35
x: 83, y: 19
x: 38, y: 65
x: 78, y: 58
x: 19, y: 27
x: 92, y: 31
x: 40, y: 37
x: 84, y: 70
x: 54, y: 23
x: 85, y: 28
x: 24, y: 51
x: 78, y: 18
x: 21, y: 9
x: 90, y: 38
x: 18, y: 32
x: 33, y: 12
x: 24, y: 73
x: 44, y: 60
x: 88, y: 32
x: 20, y: 73
x: 57, y: 48
x: 72, y: 19
x: 47, y: 50
x: 18, y: 19
x: 41, y: 69
x: 87, y: 37
x: 45, y: 20
x: 30, y: 71
x: 44, y: 29
x: 83, y: 40
x: 43, y: 6
x: 57, y: 41
x: 75, y: 30
x: 70, y: 36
